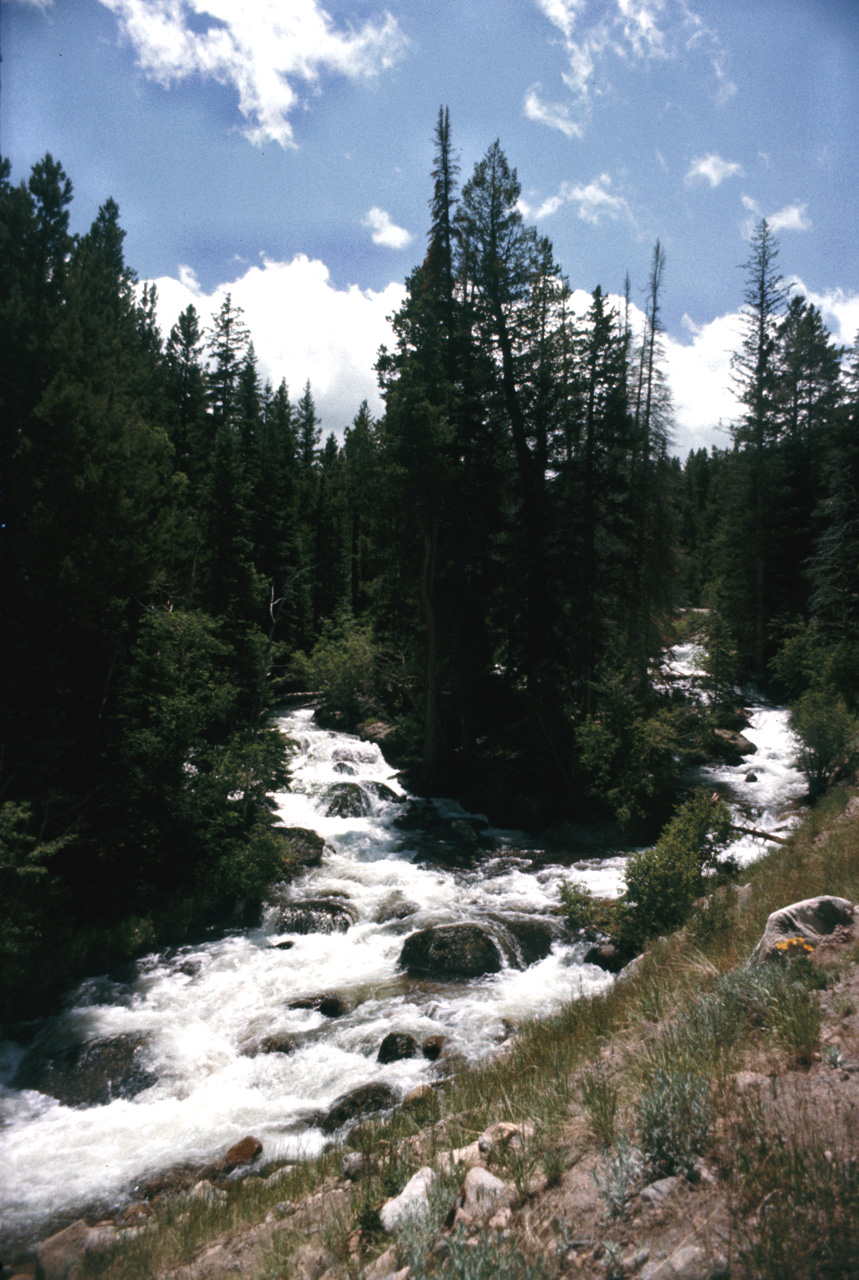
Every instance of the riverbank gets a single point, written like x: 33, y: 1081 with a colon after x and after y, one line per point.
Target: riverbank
x: 776, y: 1126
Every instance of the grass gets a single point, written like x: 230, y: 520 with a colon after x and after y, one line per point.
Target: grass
x: 647, y: 1067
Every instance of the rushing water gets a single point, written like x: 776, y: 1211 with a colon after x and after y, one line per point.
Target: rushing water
x: 201, y: 1014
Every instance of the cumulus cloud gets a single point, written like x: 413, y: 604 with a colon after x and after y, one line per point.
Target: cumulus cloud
x: 386, y: 232
x: 260, y: 47
x: 302, y: 327
x: 840, y: 310
x: 699, y: 375
x: 595, y: 31
x: 713, y: 169
x: 593, y: 202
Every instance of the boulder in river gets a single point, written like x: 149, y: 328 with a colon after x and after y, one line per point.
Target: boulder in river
x: 90, y: 1074
x: 396, y: 1046
x: 363, y: 1101
x: 329, y: 1005
x: 732, y: 746
x: 240, y: 1153
x: 314, y: 915
x: 451, y: 951
x: 302, y: 847
x: 346, y: 800
x: 532, y: 937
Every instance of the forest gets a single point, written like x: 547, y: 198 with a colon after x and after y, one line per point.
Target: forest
x: 484, y: 576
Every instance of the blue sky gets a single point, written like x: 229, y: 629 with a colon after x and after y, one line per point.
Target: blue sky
x: 282, y: 151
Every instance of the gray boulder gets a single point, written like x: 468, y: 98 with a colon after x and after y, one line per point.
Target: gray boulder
x: 814, y: 919
x: 455, y: 951
x: 89, y: 1074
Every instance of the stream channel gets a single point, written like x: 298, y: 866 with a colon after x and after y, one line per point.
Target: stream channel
x: 208, y: 1024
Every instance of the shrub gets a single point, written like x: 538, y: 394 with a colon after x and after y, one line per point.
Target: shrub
x: 618, y: 1177
x: 662, y: 883
x: 674, y: 1118
x: 343, y: 667
x: 828, y: 734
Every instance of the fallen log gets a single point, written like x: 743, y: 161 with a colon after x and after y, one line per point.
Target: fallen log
x: 761, y: 835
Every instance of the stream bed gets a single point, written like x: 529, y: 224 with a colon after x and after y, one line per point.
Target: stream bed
x: 260, y: 1031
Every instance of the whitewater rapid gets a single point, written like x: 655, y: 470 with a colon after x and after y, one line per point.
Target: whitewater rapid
x: 199, y: 1011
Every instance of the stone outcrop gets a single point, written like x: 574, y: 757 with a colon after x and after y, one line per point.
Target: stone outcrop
x: 814, y: 920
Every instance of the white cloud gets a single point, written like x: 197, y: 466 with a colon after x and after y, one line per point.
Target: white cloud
x: 554, y: 114
x: 840, y: 310
x: 713, y: 169
x: 593, y: 202
x: 386, y: 232
x: 699, y: 375
x: 792, y: 217
x: 625, y: 30
x: 302, y: 327
x: 260, y: 47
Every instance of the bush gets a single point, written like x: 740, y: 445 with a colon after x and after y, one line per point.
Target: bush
x: 828, y: 734
x: 674, y: 1119
x: 343, y: 667
x: 662, y: 883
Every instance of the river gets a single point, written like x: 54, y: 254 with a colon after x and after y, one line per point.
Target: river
x: 209, y: 1019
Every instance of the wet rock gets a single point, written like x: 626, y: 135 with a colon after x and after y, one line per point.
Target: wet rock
x: 270, y: 1044
x: 383, y: 792
x: 282, y: 946
x: 396, y: 911
x: 606, y: 956
x: 89, y: 1074
x: 329, y: 1005
x: 454, y: 951
x: 583, y: 839
x: 315, y: 915
x: 412, y: 1201
x: 346, y: 800
x: 396, y: 1046
x: 302, y: 846
x: 240, y: 1153
x: 533, y: 939
x: 365, y: 1100
x: 732, y: 746
x: 751, y: 777
x: 813, y: 919
x: 432, y: 1047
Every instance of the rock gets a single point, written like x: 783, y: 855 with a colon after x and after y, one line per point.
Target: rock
x: 354, y: 1165
x: 413, y: 1200
x: 395, y: 911
x: 500, y: 1137
x: 329, y: 1005
x: 239, y: 1154
x: 751, y: 777
x: 270, y: 1044
x: 87, y: 1075
x: 605, y: 955
x: 466, y: 1157
x: 455, y: 951
x: 396, y: 1046
x: 432, y: 1047
x: 386, y: 1266
x: 419, y: 1099
x: 732, y: 746
x: 61, y: 1256
x: 303, y: 848
x: 484, y: 1195
x: 635, y: 1260
x: 204, y: 1191
x: 362, y: 1101
x: 315, y: 915
x: 690, y: 1262
x: 813, y: 919
x: 658, y: 1192
x: 533, y: 939
x: 346, y: 800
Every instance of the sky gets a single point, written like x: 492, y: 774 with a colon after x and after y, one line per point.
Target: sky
x: 281, y: 152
